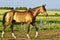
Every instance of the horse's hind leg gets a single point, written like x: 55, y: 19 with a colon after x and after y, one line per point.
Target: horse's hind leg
x: 4, y: 27
x: 12, y: 29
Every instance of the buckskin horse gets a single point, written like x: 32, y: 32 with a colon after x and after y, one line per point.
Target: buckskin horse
x: 27, y: 17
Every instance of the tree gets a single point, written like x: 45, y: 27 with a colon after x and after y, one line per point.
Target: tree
x: 20, y: 8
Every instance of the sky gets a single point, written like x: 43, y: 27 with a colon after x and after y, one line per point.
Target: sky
x: 50, y: 4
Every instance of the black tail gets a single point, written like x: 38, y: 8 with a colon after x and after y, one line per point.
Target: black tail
x: 3, y: 20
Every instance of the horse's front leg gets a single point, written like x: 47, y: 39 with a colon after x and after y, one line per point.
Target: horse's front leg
x: 12, y: 30
x: 36, y: 30
x: 28, y: 28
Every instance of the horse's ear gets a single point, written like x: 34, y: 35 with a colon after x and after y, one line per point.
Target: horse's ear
x: 44, y: 5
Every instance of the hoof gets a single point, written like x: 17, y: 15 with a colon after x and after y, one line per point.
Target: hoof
x: 1, y: 36
x: 14, y: 37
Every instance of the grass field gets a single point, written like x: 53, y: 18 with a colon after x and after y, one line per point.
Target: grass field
x: 49, y: 27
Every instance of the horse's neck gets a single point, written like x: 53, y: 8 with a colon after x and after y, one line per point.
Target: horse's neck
x: 35, y: 12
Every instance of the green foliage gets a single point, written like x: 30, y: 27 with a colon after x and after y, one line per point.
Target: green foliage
x: 6, y: 8
x: 30, y: 8
x: 17, y: 8
x: 20, y: 8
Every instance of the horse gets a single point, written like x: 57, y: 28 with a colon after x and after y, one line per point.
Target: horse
x: 28, y: 17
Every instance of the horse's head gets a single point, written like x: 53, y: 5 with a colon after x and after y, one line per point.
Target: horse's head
x: 42, y: 10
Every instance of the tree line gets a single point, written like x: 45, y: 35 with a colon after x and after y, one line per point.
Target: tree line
x: 6, y: 8
x: 17, y: 8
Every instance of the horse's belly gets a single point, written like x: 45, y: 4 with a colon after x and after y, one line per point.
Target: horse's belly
x: 19, y: 19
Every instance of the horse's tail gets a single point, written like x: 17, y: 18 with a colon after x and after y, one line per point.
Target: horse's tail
x: 3, y: 20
